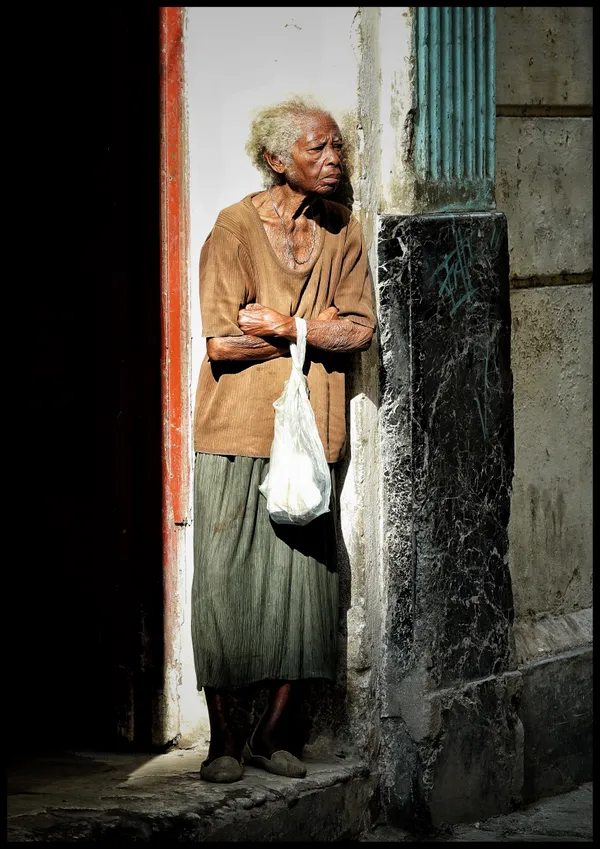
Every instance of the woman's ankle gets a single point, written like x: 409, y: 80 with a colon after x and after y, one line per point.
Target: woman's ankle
x: 264, y: 743
x: 222, y: 747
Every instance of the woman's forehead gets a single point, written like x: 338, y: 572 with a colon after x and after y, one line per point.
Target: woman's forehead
x: 319, y: 126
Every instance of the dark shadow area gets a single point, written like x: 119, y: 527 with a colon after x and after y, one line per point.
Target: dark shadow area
x: 35, y: 776
x: 128, y: 562
x: 87, y: 644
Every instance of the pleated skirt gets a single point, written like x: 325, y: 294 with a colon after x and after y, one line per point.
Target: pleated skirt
x: 264, y: 596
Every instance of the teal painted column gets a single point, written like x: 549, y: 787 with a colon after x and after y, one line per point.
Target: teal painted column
x: 455, y: 130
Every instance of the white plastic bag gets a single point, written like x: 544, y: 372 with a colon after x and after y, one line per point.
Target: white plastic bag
x: 298, y: 484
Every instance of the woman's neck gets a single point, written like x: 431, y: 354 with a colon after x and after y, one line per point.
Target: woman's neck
x: 291, y: 203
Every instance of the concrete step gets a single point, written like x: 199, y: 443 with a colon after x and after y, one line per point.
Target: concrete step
x: 105, y: 796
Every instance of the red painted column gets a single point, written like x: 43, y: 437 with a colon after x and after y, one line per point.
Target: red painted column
x: 175, y: 341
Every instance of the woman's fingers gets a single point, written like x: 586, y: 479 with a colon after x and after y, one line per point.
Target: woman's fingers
x: 255, y: 309
x: 255, y: 319
x: 329, y: 314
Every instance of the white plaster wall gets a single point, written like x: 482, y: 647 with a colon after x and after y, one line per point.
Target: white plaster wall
x: 382, y: 183
x: 238, y: 59
x: 396, y: 100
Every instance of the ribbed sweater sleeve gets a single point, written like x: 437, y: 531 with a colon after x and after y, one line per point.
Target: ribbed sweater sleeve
x: 225, y: 282
x: 353, y: 292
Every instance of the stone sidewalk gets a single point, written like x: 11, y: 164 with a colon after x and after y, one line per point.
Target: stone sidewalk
x: 559, y: 819
x: 122, y: 797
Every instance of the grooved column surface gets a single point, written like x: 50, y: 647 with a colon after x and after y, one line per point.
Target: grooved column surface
x: 456, y: 106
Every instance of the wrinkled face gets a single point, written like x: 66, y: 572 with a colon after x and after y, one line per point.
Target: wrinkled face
x: 316, y: 166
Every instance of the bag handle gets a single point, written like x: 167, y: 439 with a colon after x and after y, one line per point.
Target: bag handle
x: 298, y: 348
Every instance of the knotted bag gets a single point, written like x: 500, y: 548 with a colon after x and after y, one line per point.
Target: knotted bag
x: 298, y: 484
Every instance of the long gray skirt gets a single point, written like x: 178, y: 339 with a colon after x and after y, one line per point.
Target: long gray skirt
x: 264, y: 596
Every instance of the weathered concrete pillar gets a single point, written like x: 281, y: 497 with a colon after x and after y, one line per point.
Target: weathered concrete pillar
x: 451, y: 736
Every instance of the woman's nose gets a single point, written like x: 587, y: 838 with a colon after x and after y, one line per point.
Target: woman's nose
x: 333, y: 156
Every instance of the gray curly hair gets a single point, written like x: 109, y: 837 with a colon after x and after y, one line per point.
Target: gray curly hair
x: 275, y: 129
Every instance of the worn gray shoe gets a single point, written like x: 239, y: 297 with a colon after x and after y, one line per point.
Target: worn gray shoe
x: 222, y: 770
x: 280, y: 763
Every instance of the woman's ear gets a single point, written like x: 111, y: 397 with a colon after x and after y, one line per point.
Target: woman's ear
x: 274, y: 162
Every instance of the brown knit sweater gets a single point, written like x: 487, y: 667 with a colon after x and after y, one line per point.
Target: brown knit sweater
x: 234, y: 401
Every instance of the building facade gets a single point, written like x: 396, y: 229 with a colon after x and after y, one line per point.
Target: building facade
x: 466, y: 496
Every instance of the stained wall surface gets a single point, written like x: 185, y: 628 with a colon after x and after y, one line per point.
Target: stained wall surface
x: 544, y: 186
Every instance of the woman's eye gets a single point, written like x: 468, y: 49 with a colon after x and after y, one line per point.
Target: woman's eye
x: 322, y: 147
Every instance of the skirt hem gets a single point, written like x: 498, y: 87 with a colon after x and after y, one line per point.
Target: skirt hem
x: 266, y: 679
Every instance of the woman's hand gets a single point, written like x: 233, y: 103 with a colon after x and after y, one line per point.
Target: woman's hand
x: 330, y: 314
x: 256, y: 320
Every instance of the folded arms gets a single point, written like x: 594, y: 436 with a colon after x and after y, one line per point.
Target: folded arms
x: 267, y: 334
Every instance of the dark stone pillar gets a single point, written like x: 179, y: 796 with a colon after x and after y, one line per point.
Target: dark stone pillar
x: 451, y: 735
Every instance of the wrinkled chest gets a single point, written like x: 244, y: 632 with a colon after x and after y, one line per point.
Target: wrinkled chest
x: 304, y: 294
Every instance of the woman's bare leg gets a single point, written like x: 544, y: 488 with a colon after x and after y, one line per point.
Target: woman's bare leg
x: 270, y: 735
x: 223, y: 740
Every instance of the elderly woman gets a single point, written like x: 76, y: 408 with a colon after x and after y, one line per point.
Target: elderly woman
x: 265, y: 596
